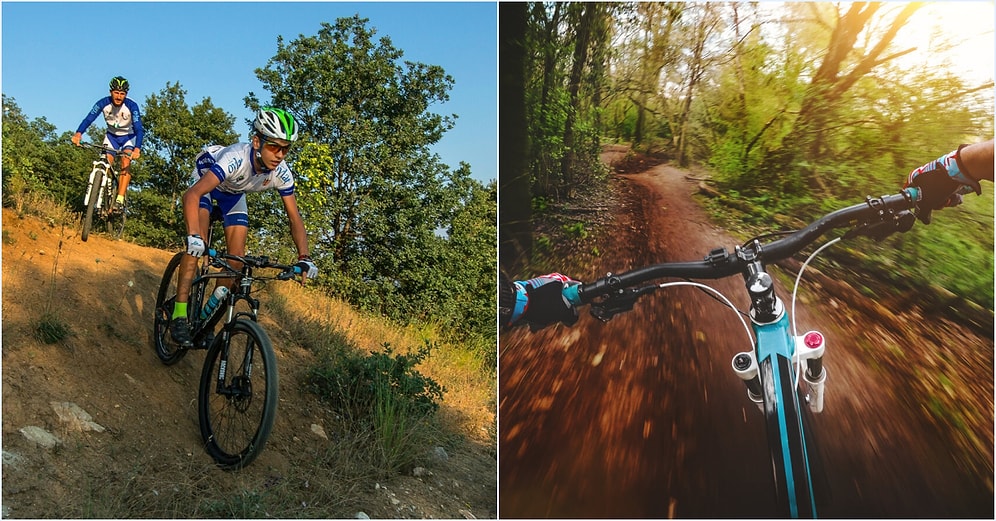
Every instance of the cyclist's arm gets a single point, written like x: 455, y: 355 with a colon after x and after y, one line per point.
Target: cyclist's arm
x: 978, y: 160
x: 98, y: 109
x: 136, y: 121
x: 298, y: 232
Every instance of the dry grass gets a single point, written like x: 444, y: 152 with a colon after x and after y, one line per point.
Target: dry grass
x: 469, y: 405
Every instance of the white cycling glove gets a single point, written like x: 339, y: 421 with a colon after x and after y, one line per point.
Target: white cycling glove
x: 308, y: 267
x: 195, y: 245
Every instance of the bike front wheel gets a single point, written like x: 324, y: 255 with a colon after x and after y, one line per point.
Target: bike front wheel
x: 91, y: 202
x: 786, y: 427
x: 237, y: 400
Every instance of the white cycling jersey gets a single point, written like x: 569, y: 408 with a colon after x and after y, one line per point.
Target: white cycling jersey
x: 234, y: 167
x: 122, y: 120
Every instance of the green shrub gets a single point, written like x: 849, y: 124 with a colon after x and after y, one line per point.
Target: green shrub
x: 384, y: 393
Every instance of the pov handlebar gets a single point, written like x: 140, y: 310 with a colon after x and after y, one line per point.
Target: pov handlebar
x: 877, y: 217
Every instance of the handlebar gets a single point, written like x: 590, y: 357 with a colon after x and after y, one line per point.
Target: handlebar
x: 877, y: 217
x: 102, y: 148
x: 287, y: 271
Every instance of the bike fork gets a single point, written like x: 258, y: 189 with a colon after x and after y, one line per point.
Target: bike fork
x: 89, y: 186
x: 245, y: 372
x: 809, y: 347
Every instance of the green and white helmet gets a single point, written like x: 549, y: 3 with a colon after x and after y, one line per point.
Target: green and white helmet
x: 276, y: 124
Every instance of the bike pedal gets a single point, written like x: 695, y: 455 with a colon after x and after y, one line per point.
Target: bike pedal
x: 205, y: 343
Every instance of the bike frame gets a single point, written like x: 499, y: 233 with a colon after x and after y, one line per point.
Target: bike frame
x: 775, y: 353
x: 110, y: 174
x: 102, y: 167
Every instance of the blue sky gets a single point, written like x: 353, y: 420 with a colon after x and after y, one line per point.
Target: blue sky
x: 57, y: 57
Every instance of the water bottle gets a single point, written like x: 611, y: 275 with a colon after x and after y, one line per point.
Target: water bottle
x: 216, y: 298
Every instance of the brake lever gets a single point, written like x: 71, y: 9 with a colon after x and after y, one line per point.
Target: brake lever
x: 900, y: 222
x: 620, y: 301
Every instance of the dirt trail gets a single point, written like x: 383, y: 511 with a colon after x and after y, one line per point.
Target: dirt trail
x: 149, y: 456
x: 643, y: 417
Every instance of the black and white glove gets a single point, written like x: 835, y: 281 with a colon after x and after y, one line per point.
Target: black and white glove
x: 942, y: 183
x: 195, y: 245
x: 546, y: 299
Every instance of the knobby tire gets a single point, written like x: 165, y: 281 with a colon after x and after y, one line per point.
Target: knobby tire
x: 787, y: 438
x: 115, y: 219
x: 168, y: 351
x: 94, y: 194
x: 235, y: 427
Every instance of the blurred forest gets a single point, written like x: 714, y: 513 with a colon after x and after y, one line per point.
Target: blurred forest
x: 793, y: 109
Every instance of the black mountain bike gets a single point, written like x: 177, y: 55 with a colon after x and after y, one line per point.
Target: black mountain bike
x: 237, y: 398
x: 101, y: 190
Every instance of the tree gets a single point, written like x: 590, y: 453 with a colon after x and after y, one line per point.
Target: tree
x: 374, y: 198
x: 515, y: 228
x: 37, y: 161
x: 176, y: 133
x: 844, y: 63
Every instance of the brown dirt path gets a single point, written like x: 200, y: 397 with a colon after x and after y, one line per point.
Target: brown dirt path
x: 149, y: 458
x: 642, y: 416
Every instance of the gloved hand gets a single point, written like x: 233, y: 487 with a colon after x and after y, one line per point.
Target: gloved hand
x: 308, y: 268
x: 550, y: 298
x: 195, y: 245
x: 941, y: 182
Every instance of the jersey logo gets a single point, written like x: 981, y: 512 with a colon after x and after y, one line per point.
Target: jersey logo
x: 234, y: 164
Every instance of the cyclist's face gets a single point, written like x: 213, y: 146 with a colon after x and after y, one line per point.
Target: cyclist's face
x: 273, y: 151
x: 118, y: 96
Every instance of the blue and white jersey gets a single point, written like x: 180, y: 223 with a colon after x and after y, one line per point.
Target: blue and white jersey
x: 234, y: 167
x: 121, y: 121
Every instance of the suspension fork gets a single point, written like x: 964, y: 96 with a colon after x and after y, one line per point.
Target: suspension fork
x: 231, y: 318
x: 771, y: 321
x: 98, y: 166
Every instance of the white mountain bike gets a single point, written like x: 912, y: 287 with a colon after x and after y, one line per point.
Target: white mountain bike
x: 101, y: 190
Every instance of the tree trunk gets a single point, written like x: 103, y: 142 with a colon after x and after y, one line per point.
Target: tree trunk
x: 549, y: 46
x: 515, y: 228
x: 582, y: 37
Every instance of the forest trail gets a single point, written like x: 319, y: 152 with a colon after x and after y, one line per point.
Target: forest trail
x: 642, y: 416
x: 147, y: 460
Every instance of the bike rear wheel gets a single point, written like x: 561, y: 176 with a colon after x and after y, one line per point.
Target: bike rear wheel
x: 92, y: 196
x: 114, y: 219
x: 237, y: 406
x: 787, y: 438
x: 168, y: 351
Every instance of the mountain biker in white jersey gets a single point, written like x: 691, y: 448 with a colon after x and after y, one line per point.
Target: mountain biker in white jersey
x: 551, y: 298
x: 124, y: 130
x: 224, y: 175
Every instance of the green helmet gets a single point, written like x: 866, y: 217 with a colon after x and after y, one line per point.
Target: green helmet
x: 119, y: 83
x: 276, y: 124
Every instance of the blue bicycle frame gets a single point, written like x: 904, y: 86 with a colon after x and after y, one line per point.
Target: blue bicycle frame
x: 783, y: 414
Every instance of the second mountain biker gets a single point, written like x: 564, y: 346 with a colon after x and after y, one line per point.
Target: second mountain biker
x: 124, y: 130
x: 223, y: 176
